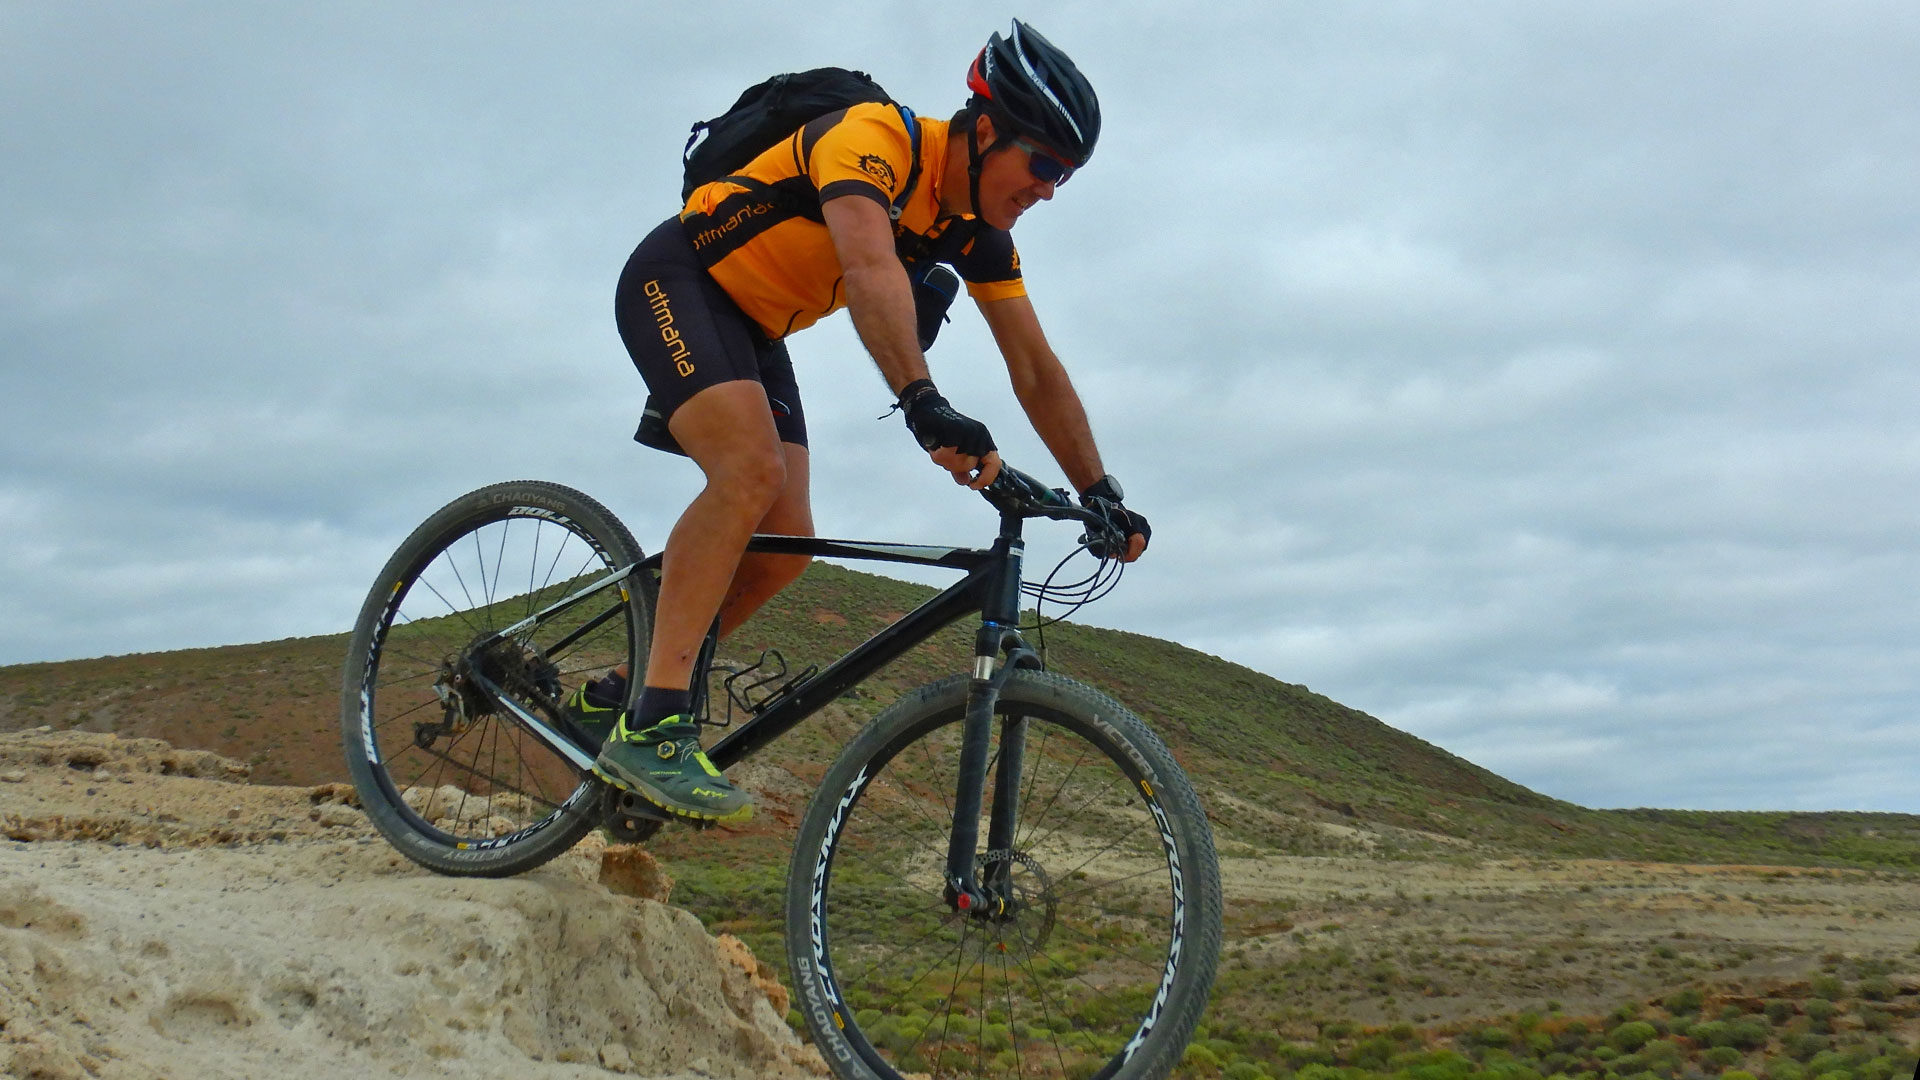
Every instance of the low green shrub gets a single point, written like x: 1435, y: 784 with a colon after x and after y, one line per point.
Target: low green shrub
x: 1683, y: 1002
x: 1373, y: 1053
x: 1827, y: 1061
x: 1494, y: 1036
x: 1200, y: 1057
x: 1748, y: 1033
x: 1786, y: 1069
x: 1631, y: 1035
x: 1707, y: 1033
x: 1803, y: 1046
x: 1877, y: 988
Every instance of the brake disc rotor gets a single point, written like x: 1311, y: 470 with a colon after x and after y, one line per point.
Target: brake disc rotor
x: 1031, y: 904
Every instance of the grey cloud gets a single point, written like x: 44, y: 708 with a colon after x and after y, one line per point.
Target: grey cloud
x: 1536, y: 377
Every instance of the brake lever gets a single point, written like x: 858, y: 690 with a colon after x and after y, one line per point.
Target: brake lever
x: 1114, y: 541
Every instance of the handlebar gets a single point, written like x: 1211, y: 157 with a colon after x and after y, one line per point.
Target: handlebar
x: 1017, y: 493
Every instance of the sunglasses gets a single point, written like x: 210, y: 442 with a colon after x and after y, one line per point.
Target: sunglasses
x: 1043, y: 165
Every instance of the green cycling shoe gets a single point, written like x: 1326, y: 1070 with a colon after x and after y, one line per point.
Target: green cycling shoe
x: 665, y: 765
x: 596, y: 704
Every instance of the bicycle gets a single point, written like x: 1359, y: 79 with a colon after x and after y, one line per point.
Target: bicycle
x: 1079, y: 938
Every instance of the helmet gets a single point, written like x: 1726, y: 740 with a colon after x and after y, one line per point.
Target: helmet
x: 1029, y: 86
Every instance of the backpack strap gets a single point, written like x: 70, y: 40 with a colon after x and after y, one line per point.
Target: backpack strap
x: 913, y: 171
x: 776, y: 197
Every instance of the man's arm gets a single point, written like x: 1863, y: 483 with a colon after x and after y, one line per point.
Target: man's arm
x: 1045, y: 392
x: 1048, y: 397
x: 878, y: 296
x: 881, y: 303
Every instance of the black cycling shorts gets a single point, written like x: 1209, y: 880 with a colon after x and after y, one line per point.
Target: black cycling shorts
x: 685, y: 334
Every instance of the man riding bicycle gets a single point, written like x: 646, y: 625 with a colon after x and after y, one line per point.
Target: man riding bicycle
x: 708, y: 298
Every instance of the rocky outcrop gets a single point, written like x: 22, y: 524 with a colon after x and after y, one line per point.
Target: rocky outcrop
x: 158, y: 919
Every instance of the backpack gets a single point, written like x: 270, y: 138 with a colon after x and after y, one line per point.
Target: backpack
x: 772, y: 110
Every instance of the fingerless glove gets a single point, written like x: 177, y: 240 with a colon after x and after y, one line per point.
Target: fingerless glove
x: 935, y: 424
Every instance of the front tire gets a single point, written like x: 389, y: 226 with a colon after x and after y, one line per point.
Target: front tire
x: 1103, y: 960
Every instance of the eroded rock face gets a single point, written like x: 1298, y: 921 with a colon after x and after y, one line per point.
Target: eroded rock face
x: 159, y: 919
x: 91, y: 752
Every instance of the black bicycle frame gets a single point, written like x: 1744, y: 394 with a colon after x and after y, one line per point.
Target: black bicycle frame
x: 991, y: 587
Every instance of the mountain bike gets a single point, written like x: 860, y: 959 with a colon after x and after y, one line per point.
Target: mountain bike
x: 1004, y: 873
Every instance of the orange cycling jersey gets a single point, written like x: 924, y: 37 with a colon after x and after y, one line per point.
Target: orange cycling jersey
x: 771, y: 252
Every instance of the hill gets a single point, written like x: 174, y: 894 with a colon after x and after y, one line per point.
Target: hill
x: 1283, y: 769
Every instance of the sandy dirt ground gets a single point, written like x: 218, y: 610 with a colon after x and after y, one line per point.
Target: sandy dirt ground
x: 160, y: 918
x: 1440, y: 942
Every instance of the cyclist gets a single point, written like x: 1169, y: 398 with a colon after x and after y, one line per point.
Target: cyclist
x: 708, y: 299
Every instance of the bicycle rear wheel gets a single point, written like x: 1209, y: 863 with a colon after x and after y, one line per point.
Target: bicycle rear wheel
x: 1102, y: 961
x: 447, y: 770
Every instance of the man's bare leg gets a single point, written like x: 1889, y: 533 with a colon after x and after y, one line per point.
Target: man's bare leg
x: 760, y: 576
x: 654, y: 751
x: 728, y: 431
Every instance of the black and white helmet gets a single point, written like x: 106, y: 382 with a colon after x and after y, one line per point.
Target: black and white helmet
x: 1026, y: 84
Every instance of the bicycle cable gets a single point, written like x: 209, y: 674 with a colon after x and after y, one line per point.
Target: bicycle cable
x: 1074, y: 596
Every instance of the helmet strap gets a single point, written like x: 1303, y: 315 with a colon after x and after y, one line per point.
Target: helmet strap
x: 976, y: 158
x: 973, y: 165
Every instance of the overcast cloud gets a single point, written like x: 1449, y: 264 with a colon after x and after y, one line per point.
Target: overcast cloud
x: 1538, y: 377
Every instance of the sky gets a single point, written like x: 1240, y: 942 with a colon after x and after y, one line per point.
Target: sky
x: 1538, y: 377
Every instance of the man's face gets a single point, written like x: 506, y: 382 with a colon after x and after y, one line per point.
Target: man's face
x: 1008, y: 186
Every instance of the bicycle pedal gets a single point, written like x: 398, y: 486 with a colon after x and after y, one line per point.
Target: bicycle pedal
x: 630, y: 819
x: 631, y: 805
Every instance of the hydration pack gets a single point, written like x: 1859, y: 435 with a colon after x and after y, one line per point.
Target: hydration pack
x: 772, y: 110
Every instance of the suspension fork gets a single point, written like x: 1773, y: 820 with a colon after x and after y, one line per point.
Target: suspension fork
x: 1000, y: 612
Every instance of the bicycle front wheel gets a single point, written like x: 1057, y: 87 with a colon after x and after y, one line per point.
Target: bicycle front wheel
x: 1101, y: 961
x: 507, y: 599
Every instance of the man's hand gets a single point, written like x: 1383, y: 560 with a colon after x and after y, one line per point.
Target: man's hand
x: 1104, y: 495
x: 974, y: 472
x: 956, y: 442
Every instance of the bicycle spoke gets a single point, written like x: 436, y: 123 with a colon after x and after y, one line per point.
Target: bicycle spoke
x: 1086, y: 934
x: 480, y: 765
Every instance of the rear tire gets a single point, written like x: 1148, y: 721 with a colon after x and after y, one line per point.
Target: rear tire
x: 455, y: 782
x: 1101, y: 964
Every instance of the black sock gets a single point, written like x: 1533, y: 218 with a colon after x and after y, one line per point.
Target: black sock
x: 607, y: 692
x: 656, y: 704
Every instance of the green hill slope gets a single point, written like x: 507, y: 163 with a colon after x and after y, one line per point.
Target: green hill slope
x: 1281, y: 767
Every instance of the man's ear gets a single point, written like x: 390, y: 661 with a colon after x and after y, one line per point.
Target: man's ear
x: 983, y: 129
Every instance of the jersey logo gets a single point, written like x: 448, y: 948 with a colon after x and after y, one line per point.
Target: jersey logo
x: 877, y: 167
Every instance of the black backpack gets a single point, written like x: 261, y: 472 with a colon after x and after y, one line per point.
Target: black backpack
x: 771, y: 111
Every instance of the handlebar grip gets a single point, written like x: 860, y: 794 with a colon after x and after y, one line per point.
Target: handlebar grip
x: 1012, y: 484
